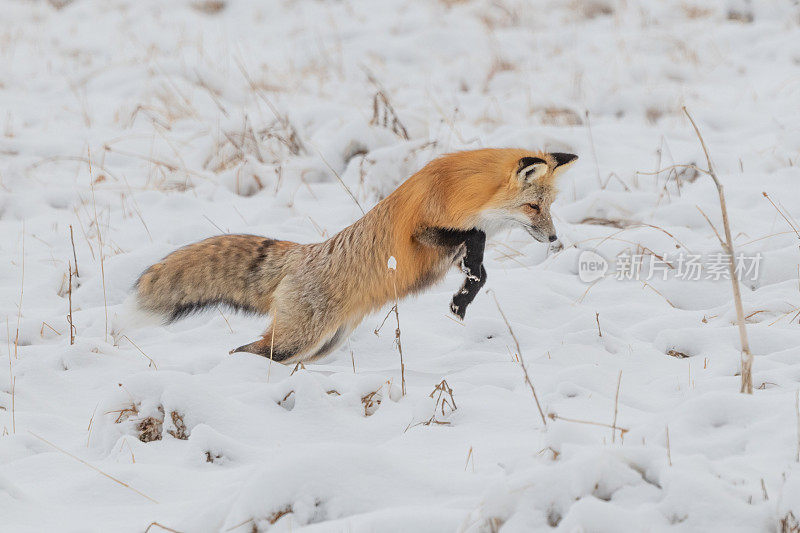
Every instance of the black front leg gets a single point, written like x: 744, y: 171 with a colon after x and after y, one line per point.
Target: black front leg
x: 472, y: 267
x: 472, y: 263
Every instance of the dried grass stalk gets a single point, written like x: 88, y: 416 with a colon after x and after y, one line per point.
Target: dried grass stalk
x: 727, y: 245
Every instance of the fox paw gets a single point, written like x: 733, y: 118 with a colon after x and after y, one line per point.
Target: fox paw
x: 458, y: 310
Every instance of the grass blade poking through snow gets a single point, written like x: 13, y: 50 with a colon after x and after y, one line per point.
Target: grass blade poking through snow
x: 521, y: 360
x: 109, y: 476
x: 391, y: 265
x: 727, y: 245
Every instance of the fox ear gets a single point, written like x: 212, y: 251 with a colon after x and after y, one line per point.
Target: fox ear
x: 563, y: 161
x: 530, y: 169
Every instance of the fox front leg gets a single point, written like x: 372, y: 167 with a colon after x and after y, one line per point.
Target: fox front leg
x: 472, y: 267
x: 474, y: 240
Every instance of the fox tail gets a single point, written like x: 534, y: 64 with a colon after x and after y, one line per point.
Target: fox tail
x: 237, y: 271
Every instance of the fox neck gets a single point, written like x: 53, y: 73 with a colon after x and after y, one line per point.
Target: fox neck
x: 492, y: 222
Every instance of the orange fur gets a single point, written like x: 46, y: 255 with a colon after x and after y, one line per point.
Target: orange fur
x: 318, y: 292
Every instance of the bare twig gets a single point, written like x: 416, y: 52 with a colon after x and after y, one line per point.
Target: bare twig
x: 51, y: 328
x: 442, y: 401
x: 152, y: 363
x: 12, y: 381
x: 647, y: 285
x: 712, y: 225
x: 341, y: 182
x: 72, y: 329
x: 469, y: 456
x: 80, y: 159
x: 780, y: 212
x: 622, y: 431
x: 162, y: 526
x: 100, y: 243
x: 392, y: 265
x: 21, y: 294
x: 74, y: 255
x: 383, y: 114
x: 109, y: 476
x: 594, y: 152
x: 292, y: 141
x: 597, y: 319
x: 225, y: 319
x: 669, y: 452
x: 91, y: 424
x: 272, y: 344
x: 616, y: 407
x: 747, y: 357
x: 672, y: 167
x: 521, y: 360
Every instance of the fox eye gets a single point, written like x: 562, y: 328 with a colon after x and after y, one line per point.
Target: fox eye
x: 533, y: 207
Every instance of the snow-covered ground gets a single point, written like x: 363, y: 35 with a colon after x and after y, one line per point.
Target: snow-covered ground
x: 146, y: 125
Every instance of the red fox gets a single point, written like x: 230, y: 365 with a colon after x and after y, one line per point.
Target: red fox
x: 317, y: 293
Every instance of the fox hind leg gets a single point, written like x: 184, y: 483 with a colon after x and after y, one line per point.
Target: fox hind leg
x: 276, y: 347
x: 266, y: 347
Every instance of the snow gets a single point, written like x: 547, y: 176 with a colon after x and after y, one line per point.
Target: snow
x: 202, y: 117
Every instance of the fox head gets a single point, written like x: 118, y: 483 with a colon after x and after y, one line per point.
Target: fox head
x: 530, y: 188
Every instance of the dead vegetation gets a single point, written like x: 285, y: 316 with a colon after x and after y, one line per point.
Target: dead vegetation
x: 696, y: 12
x: 85, y: 463
x: 392, y: 268
x: 498, y: 66
x: 59, y: 4
x: 213, y: 457
x: 151, y: 427
x: 593, y: 8
x: 519, y: 357
x: 180, y: 432
x: 384, y: 115
x: 494, y: 523
x: 282, y: 130
x: 613, y: 427
x: 148, y: 429
x: 727, y: 246
x: 558, y: 116
x: 445, y: 403
x: 610, y: 222
x: 160, y: 526
x: 789, y: 524
x: 372, y: 401
x: 237, y: 147
x: 677, y: 355
x: 287, y: 402
x: 125, y: 413
x: 743, y: 16
x: 280, y: 513
x: 209, y: 7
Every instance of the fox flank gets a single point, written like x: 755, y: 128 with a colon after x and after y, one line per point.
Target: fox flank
x: 317, y: 293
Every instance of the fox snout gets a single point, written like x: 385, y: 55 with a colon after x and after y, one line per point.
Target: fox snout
x: 542, y: 234
x: 540, y: 226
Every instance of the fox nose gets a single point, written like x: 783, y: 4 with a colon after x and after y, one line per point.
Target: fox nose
x: 553, y: 238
